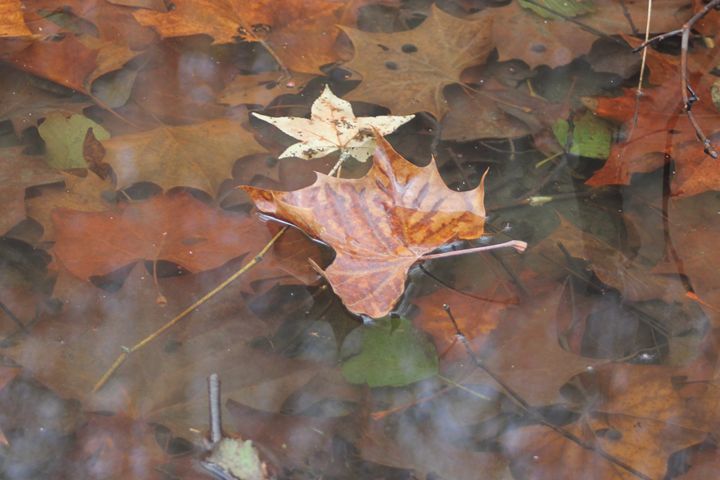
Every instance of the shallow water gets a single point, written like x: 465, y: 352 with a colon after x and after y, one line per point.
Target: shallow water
x: 126, y: 126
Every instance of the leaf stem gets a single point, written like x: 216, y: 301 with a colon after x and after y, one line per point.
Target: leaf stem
x: 518, y: 245
x: 127, y: 351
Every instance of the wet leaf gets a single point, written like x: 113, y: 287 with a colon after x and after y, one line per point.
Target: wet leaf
x: 263, y: 88
x: 199, y: 156
x: 591, y: 136
x: 178, y: 229
x: 300, y: 33
x: 334, y: 127
x: 406, y: 71
x: 64, y: 138
x: 378, y: 225
x: 663, y: 131
x: 391, y: 356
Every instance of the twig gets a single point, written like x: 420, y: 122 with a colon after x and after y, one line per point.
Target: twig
x: 127, y: 351
x: 525, y: 406
x: 688, y: 95
x: 638, y: 92
x: 215, y: 408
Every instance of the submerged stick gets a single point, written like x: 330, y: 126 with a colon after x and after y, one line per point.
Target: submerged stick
x: 215, y: 408
x: 127, y: 351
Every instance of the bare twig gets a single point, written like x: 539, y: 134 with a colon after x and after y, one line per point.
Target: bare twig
x: 688, y: 95
x: 128, y: 350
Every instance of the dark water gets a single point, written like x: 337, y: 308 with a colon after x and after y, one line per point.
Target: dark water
x: 125, y: 128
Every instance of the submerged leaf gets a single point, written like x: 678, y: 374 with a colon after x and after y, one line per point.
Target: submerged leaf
x: 64, y: 138
x: 391, y: 356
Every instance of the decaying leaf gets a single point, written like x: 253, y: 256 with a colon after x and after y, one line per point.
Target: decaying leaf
x: 407, y: 71
x: 178, y: 229
x: 199, y: 156
x: 378, y: 225
x: 333, y: 126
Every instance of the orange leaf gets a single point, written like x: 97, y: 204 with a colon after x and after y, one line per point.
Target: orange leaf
x: 379, y: 225
x: 178, y: 229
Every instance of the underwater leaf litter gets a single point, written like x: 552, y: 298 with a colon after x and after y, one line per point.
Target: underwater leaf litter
x: 300, y: 197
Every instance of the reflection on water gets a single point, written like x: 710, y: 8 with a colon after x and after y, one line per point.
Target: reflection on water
x: 126, y: 126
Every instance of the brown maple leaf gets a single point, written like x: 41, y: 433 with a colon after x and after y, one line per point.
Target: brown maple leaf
x: 663, y: 130
x: 378, y: 225
x: 407, y: 71
x: 178, y: 229
x: 199, y: 156
x: 300, y: 33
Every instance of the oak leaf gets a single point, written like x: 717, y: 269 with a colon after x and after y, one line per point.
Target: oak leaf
x: 178, y: 229
x: 333, y: 126
x: 407, y: 71
x: 663, y: 130
x: 19, y: 172
x: 378, y: 225
x: 199, y: 156
x: 300, y: 34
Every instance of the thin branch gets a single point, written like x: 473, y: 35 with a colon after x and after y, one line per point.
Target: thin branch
x: 127, y: 351
x: 688, y: 95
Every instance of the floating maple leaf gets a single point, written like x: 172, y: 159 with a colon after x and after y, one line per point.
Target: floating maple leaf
x: 333, y: 126
x: 379, y: 225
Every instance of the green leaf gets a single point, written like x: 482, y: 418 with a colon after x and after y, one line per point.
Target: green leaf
x: 64, y: 139
x: 591, y: 136
x: 567, y: 8
x: 715, y: 93
x: 391, y: 356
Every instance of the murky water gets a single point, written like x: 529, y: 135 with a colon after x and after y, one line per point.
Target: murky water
x: 132, y: 268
